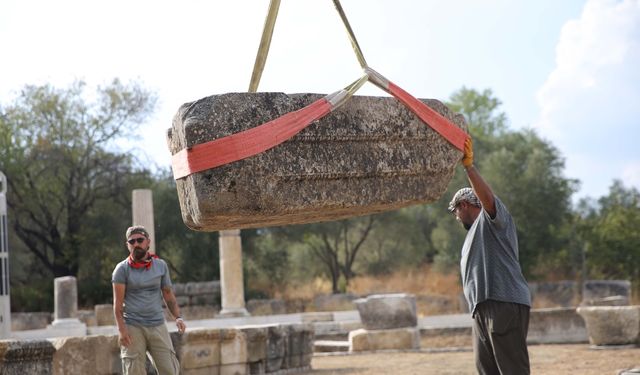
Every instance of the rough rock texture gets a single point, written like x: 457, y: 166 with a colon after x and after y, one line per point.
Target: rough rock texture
x: 362, y: 340
x: 369, y: 156
x: 612, y: 325
x: 387, y: 311
x: 26, y: 357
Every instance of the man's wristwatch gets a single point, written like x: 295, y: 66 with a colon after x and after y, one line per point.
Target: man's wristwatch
x: 179, y: 318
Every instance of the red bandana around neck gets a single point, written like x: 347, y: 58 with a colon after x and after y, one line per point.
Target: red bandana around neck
x: 146, y: 264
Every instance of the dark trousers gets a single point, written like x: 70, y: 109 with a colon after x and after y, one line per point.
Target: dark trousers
x: 500, y: 338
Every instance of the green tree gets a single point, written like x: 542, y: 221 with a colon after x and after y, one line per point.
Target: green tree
x: 610, y: 229
x: 58, y: 155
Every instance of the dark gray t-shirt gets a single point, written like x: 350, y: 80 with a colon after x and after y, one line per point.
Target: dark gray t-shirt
x: 143, y: 303
x: 489, y: 266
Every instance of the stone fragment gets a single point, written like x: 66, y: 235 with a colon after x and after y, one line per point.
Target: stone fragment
x: 26, y: 357
x: 611, y: 325
x: 86, y: 355
x: 104, y: 315
x: 369, y: 156
x: 387, y: 339
x: 386, y: 311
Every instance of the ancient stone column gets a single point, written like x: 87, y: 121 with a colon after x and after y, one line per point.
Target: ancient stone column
x: 5, y: 301
x: 142, y: 210
x: 231, y: 284
x: 65, y: 304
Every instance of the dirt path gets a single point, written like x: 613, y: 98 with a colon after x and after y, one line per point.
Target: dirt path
x: 545, y: 360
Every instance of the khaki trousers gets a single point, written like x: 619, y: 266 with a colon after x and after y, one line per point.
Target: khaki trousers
x: 500, y: 338
x: 157, y: 342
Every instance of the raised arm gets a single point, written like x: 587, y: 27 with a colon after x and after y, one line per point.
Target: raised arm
x: 480, y: 187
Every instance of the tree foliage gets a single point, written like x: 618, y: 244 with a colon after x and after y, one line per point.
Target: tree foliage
x: 59, y: 166
x: 611, y: 232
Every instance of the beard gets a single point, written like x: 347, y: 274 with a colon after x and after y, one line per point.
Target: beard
x: 467, y: 226
x: 139, y: 253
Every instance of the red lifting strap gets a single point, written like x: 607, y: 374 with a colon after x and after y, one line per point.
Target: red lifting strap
x: 436, y: 121
x: 247, y: 143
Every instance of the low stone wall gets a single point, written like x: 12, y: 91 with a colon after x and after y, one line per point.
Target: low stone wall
x: 243, y: 350
x: 198, y: 293
x: 556, y: 326
x: 22, y: 321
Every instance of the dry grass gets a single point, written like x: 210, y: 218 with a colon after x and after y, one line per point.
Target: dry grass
x: 419, y: 281
x: 436, y: 292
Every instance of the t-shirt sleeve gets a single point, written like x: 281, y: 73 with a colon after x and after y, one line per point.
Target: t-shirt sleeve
x: 502, y: 214
x: 118, y: 276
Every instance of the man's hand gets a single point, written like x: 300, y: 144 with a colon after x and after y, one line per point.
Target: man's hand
x: 181, y: 326
x: 124, y: 339
x: 467, y: 159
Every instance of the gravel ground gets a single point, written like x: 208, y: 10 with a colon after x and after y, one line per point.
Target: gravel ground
x: 545, y: 360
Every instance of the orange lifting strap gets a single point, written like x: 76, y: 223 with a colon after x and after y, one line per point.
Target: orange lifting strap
x: 270, y: 134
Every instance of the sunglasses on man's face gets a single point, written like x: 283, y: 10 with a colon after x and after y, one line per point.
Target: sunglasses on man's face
x: 134, y: 240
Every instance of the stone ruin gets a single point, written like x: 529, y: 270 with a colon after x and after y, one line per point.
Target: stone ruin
x: 390, y: 322
x: 262, y: 349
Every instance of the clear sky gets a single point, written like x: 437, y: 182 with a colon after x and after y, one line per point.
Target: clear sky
x: 569, y: 69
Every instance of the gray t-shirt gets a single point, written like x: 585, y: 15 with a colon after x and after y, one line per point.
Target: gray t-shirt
x: 143, y: 301
x: 489, y: 266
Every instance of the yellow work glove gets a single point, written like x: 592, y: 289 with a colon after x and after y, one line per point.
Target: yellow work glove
x: 467, y: 159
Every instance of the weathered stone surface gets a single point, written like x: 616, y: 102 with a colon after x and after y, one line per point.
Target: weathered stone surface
x: 65, y: 297
x: 556, y: 326
x: 385, y: 311
x: 369, y: 156
x: 369, y: 340
x: 199, y: 348
x: 104, y: 315
x: 86, y: 355
x: 611, y: 325
x: 276, y: 346
x: 299, y: 346
x: 608, y: 301
x: 26, y: 357
x: 596, y: 289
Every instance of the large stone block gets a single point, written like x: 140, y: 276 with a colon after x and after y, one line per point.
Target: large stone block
x: 611, y: 325
x: 233, y: 347
x: 276, y: 347
x: 387, y: 339
x: 26, y: 357
x: 199, y: 348
x: 86, y: 355
x: 369, y: 156
x: 385, y: 311
x: 559, y: 325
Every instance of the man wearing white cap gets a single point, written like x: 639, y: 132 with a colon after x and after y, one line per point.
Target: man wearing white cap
x: 494, y: 286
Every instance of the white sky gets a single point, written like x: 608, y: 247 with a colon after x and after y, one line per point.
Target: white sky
x: 569, y: 69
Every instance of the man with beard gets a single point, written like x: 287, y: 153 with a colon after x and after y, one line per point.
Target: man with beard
x: 496, y: 291
x: 140, y: 284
